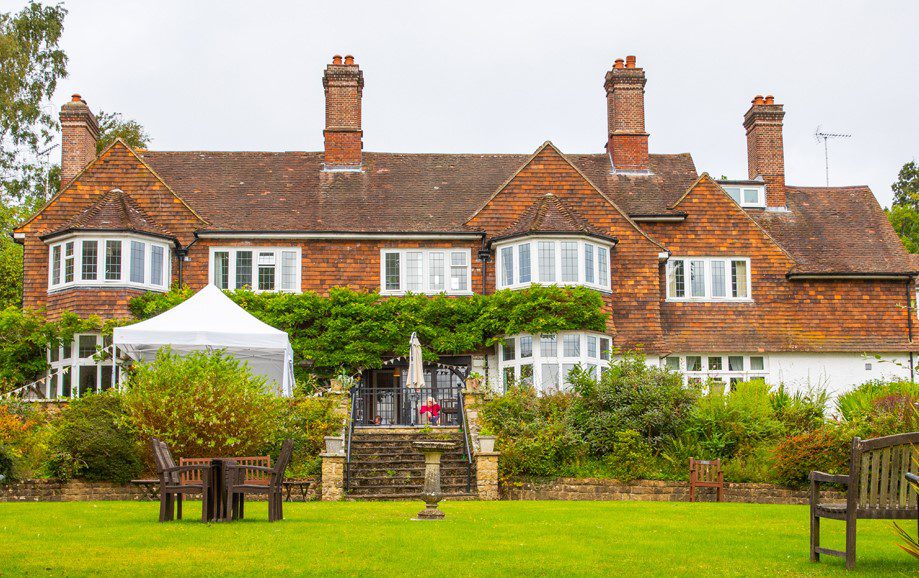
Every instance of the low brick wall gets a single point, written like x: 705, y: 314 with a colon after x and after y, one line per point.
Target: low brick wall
x: 653, y: 490
x: 55, y: 491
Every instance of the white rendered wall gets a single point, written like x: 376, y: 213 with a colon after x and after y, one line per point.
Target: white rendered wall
x: 837, y: 372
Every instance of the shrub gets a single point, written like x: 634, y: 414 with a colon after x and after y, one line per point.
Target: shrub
x: 24, y: 433
x: 307, y: 420
x: 825, y: 449
x: 631, y: 395
x: 857, y: 404
x: 7, y: 471
x: 728, y: 423
x: 799, y: 412
x: 91, y: 441
x: 532, y: 432
x: 630, y: 455
x: 205, y: 404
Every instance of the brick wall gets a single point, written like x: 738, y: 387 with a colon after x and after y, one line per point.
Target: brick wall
x: 655, y: 491
x: 765, y: 148
x: 344, y: 85
x: 74, y: 491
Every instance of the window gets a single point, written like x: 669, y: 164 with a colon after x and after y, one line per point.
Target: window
x: 74, y: 370
x: 548, y: 366
x: 428, y: 271
x: 563, y: 261
x: 90, y: 260
x: 103, y: 261
x: 256, y: 268
x: 723, y: 369
x: 708, y: 279
x: 747, y: 195
x: 546, y: 261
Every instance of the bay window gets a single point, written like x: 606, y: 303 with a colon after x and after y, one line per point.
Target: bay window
x: 708, y: 279
x: 560, y: 261
x: 544, y: 361
x: 127, y: 261
x: 258, y: 269
x: 429, y: 271
x: 77, y: 367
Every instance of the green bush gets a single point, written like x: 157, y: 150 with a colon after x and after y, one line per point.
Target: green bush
x: 728, y: 423
x: 307, y: 420
x: 825, y: 449
x: 91, y: 441
x: 205, y: 404
x: 630, y: 455
x: 856, y: 405
x: 7, y: 470
x: 799, y: 412
x: 532, y: 432
x: 631, y: 395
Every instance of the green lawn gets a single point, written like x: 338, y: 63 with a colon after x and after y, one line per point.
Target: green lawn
x: 477, y: 539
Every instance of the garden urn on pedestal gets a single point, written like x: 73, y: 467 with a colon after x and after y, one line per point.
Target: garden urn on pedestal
x: 431, y: 493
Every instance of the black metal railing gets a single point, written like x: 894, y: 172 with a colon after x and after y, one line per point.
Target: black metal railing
x: 467, y: 442
x: 407, y: 406
x: 350, y: 430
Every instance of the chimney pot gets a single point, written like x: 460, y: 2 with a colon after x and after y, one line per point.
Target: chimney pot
x: 630, y: 62
x: 349, y: 60
x: 76, y: 98
x: 618, y: 63
x: 336, y: 59
x: 758, y: 100
x: 770, y: 99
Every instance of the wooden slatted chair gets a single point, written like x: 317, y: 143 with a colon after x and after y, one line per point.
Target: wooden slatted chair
x: 173, y: 484
x: 252, y: 477
x: 877, y: 488
x: 238, y: 484
x: 705, y: 474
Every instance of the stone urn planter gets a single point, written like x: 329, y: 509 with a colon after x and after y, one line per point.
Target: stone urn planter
x: 334, y: 445
x: 432, y: 493
x: 486, y: 444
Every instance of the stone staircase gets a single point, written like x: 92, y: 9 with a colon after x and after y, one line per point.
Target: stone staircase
x: 385, y: 466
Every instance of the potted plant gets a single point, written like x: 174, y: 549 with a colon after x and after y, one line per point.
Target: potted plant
x: 474, y: 381
x: 334, y: 445
x: 486, y: 440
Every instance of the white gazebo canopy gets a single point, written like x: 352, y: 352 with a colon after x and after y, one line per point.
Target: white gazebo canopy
x: 210, y: 320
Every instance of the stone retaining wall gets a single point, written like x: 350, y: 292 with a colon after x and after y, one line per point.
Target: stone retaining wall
x: 653, y: 490
x: 55, y: 491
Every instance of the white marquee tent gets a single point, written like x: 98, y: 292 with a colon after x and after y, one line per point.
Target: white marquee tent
x: 210, y: 320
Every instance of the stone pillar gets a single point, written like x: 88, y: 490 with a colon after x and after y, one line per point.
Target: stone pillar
x: 473, y: 400
x: 333, y: 477
x: 486, y: 475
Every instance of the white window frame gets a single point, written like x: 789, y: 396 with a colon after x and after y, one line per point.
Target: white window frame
x: 739, y: 194
x: 537, y: 360
x: 124, y: 279
x: 724, y: 374
x: 708, y: 289
x: 533, y: 242
x: 73, y: 366
x: 426, y: 285
x: 278, y: 253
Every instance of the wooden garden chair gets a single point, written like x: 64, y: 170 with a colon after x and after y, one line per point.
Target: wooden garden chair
x: 173, y: 486
x: 239, y: 484
x: 705, y: 474
x: 876, y: 488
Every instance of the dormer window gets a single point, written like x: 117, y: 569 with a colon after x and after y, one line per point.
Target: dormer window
x: 747, y: 194
x: 104, y: 260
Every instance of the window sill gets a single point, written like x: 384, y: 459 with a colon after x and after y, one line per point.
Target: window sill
x: 112, y: 285
x: 709, y: 300
x: 447, y: 293
x: 517, y: 287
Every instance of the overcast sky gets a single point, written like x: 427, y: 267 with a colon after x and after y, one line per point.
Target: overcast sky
x: 505, y: 76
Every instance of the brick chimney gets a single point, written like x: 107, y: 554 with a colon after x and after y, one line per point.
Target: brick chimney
x: 765, y: 151
x: 627, y: 142
x: 79, y: 133
x: 344, y: 85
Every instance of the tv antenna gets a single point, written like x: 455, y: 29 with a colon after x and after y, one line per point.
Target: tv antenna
x: 819, y: 136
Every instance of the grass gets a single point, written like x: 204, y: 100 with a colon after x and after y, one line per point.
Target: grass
x: 476, y: 539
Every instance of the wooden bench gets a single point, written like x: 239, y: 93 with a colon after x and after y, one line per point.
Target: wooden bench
x: 877, y: 489
x: 252, y: 476
x: 705, y: 474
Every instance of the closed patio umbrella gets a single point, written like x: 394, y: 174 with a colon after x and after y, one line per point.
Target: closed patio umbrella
x: 414, y: 379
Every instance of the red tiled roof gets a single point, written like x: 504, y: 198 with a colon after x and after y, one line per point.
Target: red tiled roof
x: 836, y: 230
x: 114, y: 211
x: 549, y: 215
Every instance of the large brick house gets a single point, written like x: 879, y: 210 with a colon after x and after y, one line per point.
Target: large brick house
x: 728, y: 279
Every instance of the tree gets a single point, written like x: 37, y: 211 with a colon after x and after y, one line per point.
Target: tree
x: 905, y: 221
x: 32, y: 64
x: 112, y: 126
x: 906, y: 189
